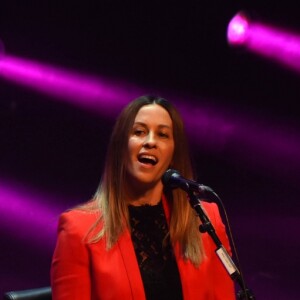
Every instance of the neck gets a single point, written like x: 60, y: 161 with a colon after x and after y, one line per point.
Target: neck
x: 144, y: 195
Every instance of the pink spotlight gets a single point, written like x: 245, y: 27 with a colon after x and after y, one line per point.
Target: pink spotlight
x: 271, y: 42
x: 238, y: 29
x: 28, y: 215
x: 83, y: 90
x: 212, y: 125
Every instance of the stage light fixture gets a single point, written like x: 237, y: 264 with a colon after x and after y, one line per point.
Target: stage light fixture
x: 237, y: 29
x: 276, y: 44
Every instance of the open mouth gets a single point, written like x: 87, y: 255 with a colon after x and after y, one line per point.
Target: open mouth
x: 147, y: 159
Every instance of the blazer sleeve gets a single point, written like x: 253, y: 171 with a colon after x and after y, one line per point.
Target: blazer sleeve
x: 70, y: 278
x: 223, y: 284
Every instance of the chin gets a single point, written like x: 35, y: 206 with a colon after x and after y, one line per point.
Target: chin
x: 140, y: 181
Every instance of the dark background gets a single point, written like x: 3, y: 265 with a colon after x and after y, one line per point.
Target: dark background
x: 176, y: 48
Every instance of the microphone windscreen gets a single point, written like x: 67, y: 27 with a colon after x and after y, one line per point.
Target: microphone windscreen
x: 167, y: 177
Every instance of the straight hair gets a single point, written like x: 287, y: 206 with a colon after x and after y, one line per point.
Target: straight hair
x: 110, y: 195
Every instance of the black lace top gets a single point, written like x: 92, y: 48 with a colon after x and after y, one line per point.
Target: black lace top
x: 154, y: 253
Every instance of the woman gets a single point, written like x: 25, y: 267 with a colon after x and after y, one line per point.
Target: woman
x: 135, y: 240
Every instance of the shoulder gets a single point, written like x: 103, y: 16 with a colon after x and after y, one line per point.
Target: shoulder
x: 210, y: 207
x: 213, y: 213
x: 78, y: 220
x: 212, y: 210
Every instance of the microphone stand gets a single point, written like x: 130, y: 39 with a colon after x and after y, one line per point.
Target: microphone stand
x: 222, y: 253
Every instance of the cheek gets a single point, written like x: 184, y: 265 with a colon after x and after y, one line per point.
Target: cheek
x: 132, y: 146
x: 130, y: 143
x: 169, y: 154
x: 129, y: 148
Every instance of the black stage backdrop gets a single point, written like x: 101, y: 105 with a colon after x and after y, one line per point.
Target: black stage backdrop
x: 52, y: 152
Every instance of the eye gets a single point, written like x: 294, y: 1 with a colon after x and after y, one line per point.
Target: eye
x: 138, y: 132
x: 163, y: 134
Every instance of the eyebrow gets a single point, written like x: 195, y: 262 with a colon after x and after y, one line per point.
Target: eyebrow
x: 145, y: 125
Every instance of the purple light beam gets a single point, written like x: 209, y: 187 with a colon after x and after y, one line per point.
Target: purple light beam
x: 89, y: 92
x: 257, y: 144
x: 268, y: 41
x: 27, y: 215
x: 212, y: 127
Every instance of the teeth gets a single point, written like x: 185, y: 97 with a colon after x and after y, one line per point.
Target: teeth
x: 148, y: 159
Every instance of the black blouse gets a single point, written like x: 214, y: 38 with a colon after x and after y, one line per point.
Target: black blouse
x: 154, y: 252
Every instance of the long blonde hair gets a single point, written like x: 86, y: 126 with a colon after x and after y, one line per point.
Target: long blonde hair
x: 109, y: 198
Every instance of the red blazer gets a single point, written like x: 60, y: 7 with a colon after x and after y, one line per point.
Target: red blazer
x: 88, y: 271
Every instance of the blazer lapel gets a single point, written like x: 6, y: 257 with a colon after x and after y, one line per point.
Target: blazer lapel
x: 131, y: 266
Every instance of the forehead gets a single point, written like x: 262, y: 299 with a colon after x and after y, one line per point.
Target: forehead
x: 153, y: 114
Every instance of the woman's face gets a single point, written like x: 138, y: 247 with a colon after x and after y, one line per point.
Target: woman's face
x: 150, y: 145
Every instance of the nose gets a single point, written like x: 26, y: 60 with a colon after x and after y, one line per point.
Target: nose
x: 150, y: 141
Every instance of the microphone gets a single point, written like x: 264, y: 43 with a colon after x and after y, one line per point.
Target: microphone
x: 173, y: 179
